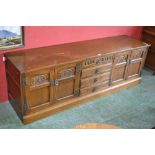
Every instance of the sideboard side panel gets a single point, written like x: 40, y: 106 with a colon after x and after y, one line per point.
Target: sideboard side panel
x: 14, y: 87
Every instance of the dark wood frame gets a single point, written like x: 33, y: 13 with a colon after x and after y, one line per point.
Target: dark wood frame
x: 16, y: 46
x: 148, y: 36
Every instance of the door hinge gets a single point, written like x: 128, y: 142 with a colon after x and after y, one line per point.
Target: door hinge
x: 77, y: 92
x: 26, y: 107
x: 129, y: 62
x: 110, y: 81
x: 54, y: 82
x: 78, y: 68
x: 24, y: 82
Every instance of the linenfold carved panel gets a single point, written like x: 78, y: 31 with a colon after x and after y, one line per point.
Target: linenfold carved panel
x: 66, y: 73
x: 137, y: 54
x: 39, y: 80
x: 121, y: 59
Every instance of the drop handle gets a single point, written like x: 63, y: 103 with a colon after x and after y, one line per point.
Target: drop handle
x: 97, y: 70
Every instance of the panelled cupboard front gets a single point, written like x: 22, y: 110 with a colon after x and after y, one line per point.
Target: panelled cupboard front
x: 45, y: 89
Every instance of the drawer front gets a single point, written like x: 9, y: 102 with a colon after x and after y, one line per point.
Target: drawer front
x: 95, y: 80
x: 95, y: 88
x: 99, y: 60
x: 95, y: 70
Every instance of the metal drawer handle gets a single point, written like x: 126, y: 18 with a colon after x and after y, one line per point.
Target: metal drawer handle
x: 97, y: 70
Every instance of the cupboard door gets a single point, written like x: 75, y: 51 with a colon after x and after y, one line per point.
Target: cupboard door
x: 119, y: 68
x: 38, y: 90
x: 67, y: 80
x: 136, y: 63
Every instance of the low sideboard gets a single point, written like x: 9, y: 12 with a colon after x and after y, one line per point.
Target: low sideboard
x: 43, y: 81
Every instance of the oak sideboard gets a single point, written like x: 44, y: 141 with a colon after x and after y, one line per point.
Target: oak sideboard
x: 43, y: 81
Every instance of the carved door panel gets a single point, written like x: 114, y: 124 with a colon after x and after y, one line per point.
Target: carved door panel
x: 66, y: 82
x: 39, y: 92
x: 135, y: 63
x: 119, y: 68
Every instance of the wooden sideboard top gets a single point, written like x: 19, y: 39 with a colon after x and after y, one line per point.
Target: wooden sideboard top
x: 37, y: 58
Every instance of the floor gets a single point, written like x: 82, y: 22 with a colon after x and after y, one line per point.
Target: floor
x: 132, y: 108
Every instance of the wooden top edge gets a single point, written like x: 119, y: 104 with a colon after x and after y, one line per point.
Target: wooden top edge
x: 37, y: 58
x: 67, y: 44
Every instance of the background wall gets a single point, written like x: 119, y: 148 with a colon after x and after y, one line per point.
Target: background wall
x: 38, y: 36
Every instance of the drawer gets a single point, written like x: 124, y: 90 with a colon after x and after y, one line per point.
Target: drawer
x: 95, y: 70
x: 102, y: 59
x: 95, y: 88
x: 95, y: 80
